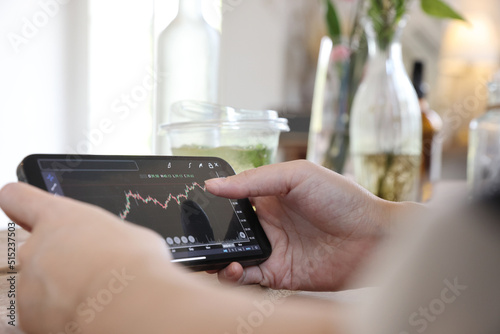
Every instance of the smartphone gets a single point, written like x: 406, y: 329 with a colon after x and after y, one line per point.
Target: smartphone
x: 164, y: 193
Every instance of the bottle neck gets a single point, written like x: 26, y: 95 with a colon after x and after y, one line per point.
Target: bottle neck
x: 424, y: 104
x: 494, y: 95
x: 384, y: 49
x: 393, y: 54
x: 383, y: 41
x: 191, y: 9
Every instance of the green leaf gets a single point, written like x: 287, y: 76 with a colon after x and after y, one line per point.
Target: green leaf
x: 400, y: 8
x: 333, y: 22
x: 440, y: 9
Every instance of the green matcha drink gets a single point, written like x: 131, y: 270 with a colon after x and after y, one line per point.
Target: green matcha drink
x: 240, y: 158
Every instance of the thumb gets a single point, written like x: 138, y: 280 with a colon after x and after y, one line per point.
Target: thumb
x: 236, y: 274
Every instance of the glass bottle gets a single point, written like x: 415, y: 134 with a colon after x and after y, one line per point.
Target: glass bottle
x: 483, y: 161
x: 386, y: 124
x: 188, y: 66
x: 432, y: 124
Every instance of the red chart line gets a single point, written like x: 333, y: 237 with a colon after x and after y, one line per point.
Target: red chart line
x: 148, y: 199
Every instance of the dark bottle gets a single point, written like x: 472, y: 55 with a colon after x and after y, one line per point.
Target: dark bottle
x: 432, y: 125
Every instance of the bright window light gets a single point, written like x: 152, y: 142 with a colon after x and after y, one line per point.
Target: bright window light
x: 122, y: 37
x: 121, y: 76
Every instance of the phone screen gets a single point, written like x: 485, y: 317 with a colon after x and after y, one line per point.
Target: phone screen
x: 165, y: 194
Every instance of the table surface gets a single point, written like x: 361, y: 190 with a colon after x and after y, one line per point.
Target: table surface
x: 446, y: 192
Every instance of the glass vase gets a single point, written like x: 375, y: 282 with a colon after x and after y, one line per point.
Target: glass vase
x: 337, y: 78
x: 483, y: 160
x: 328, y: 142
x: 386, y: 126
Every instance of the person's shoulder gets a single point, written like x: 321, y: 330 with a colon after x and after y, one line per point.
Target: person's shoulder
x: 442, y: 278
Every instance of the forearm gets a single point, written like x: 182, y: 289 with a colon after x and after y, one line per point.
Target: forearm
x: 157, y: 304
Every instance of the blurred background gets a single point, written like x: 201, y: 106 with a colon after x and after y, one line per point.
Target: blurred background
x: 76, y: 74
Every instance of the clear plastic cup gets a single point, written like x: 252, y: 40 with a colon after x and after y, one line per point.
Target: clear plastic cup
x: 244, y: 138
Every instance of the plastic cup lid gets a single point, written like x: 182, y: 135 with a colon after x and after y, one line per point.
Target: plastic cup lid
x: 205, y: 114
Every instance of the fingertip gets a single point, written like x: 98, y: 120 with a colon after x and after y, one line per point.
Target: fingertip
x: 14, y: 189
x: 9, y: 194
x: 6, y: 190
x: 22, y: 203
x: 214, y: 185
x: 235, y: 271
x: 231, y: 274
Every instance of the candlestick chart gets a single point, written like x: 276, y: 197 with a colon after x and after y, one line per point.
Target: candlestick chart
x: 161, y: 207
x: 176, y: 198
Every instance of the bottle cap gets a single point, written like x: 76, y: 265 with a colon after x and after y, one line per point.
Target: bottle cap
x: 418, y: 78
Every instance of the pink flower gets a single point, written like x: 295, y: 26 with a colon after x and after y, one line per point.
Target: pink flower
x: 340, y: 53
